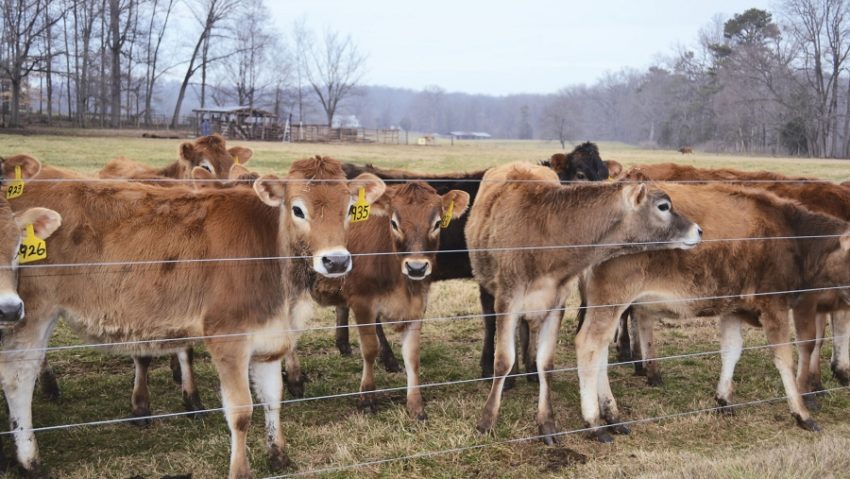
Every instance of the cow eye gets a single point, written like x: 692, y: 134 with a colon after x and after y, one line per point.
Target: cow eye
x: 298, y: 212
x: 664, y: 206
x: 581, y: 176
x: 437, y: 224
x: 394, y: 225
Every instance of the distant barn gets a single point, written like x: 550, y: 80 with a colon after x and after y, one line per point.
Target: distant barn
x: 238, y: 122
x: 470, y: 135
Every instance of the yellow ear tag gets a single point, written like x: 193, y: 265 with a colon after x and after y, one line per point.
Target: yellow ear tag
x: 360, y: 209
x: 447, y: 217
x: 16, y: 189
x: 236, y: 160
x: 32, y: 248
x: 610, y: 178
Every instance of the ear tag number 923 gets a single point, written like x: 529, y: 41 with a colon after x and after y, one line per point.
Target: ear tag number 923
x: 359, y: 211
x: 16, y: 189
x: 32, y: 248
x: 447, y: 216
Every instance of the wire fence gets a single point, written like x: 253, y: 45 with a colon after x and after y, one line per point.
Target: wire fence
x: 97, y: 268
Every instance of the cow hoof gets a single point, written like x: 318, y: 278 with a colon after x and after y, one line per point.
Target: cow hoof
x: 724, y: 407
x: 278, y: 460
x: 601, y: 436
x: 811, y: 402
x: 842, y: 376
x: 295, y: 388
x: 367, y: 405
x: 141, y: 418
x: 421, y: 416
x: 390, y: 363
x: 192, y: 403
x: 619, y: 429
x: 548, y: 433
x: 807, y: 424
x: 654, y: 380
x: 49, y: 386
x: 344, y: 349
x: 485, y: 425
x: 36, y: 472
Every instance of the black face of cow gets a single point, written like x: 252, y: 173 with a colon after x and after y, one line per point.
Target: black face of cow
x: 584, y: 164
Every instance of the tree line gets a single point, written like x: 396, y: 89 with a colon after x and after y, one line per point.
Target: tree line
x: 758, y: 81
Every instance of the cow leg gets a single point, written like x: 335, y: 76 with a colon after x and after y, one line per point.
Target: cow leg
x: 505, y: 356
x: 176, y: 367
x: 141, y: 400
x: 547, y: 338
x: 268, y: 386
x: 776, y: 328
x: 637, y: 352
x: 731, y: 346
x: 646, y: 339
x: 624, y: 340
x: 191, y: 397
x: 488, y: 349
x: 410, y: 352
x: 386, y: 356
x: 840, y: 362
x: 231, y: 358
x: 806, y: 327
x: 815, y: 377
x: 18, y: 373
x: 295, y: 379
x: 607, y: 403
x: 342, y: 342
x: 591, y: 348
x: 528, y: 346
x: 47, y: 381
x: 365, y: 319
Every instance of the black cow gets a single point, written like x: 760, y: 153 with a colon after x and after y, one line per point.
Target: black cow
x: 582, y: 164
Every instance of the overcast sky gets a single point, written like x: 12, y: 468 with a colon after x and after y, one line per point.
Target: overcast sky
x: 500, y: 47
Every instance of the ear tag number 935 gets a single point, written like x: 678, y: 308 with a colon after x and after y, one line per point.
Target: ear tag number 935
x: 16, y: 189
x: 32, y: 248
x: 359, y: 211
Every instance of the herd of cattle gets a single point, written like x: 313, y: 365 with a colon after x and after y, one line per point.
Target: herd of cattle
x: 147, y: 279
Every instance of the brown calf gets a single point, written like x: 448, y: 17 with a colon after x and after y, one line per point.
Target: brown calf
x: 714, y: 273
x: 207, y: 152
x: 811, y: 310
x: 395, y: 253
x: 246, y: 329
x: 524, y: 206
x: 686, y: 150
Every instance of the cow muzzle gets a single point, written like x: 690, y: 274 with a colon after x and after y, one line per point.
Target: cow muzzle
x: 693, y: 237
x: 332, y: 263
x: 416, y: 269
x: 11, y: 310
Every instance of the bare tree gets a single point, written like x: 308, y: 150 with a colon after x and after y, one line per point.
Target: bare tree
x: 24, y: 24
x: 117, y: 38
x: 210, y: 15
x: 334, y: 69
x: 156, y: 32
x: 249, y: 68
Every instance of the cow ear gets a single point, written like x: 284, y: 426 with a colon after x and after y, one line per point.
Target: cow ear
x: 459, y: 201
x: 237, y: 171
x: 30, y: 167
x: 558, y: 162
x: 271, y: 190
x: 615, y: 169
x: 374, y: 186
x: 189, y: 154
x: 635, y: 194
x: 44, y: 221
x: 244, y: 154
x: 845, y: 241
x: 201, y: 178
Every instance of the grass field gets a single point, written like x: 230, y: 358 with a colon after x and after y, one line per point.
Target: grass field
x: 759, y: 441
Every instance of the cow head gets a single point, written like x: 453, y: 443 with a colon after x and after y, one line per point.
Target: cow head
x: 314, y: 201
x: 650, y: 218
x: 581, y: 164
x: 211, y: 153
x: 836, y: 267
x: 13, y: 227
x: 415, y: 213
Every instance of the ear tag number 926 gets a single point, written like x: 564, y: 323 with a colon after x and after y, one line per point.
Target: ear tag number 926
x: 359, y: 211
x: 16, y: 189
x: 447, y: 216
x: 32, y: 248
